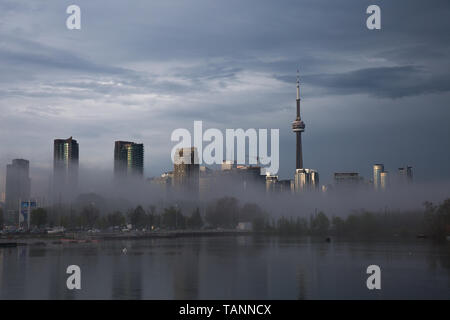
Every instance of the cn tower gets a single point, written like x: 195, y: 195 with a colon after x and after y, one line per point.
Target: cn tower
x: 298, y: 126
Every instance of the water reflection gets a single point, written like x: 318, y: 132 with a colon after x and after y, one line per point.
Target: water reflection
x: 242, y: 267
x: 126, y: 276
x: 186, y: 272
x: 301, y: 278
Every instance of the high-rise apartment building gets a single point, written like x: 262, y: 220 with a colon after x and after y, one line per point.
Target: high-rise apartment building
x: 384, y: 180
x: 405, y: 174
x: 186, y: 171
x: 305, y: 180
x: 271, y: 183
x: 347, y: 179
x: 18, y: 187
x: 128, y: 159
x: 65, y: 167
x: 377, y: 170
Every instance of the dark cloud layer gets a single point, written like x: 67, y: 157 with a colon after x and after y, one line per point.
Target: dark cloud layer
x: 381, y: 82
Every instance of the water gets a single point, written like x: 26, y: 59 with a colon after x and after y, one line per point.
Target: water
x: 233, y: 267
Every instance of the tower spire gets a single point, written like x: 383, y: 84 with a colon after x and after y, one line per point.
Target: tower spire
x: 298, y: 126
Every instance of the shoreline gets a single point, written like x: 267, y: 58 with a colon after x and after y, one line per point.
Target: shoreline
x: 86, y: 237
x: 15, y: 240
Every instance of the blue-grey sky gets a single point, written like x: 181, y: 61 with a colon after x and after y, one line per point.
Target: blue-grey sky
x: 139, y: 69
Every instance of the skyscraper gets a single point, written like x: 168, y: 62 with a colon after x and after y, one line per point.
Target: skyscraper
x: 377, y: 170
x: 405, y: 174
x: 128, y: 159
x: 18, y: 185
x: 65, y: 167
x: 271, y: 183
x: 298, y: 126
x: 186, y: 170
x: 384, y: 180
x: 347, y: 179
x: 306, y: 180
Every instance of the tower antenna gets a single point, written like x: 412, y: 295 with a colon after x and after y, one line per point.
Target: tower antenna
x: 298, y: 126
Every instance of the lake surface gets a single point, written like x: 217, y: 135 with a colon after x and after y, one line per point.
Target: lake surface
x: 230, y: 267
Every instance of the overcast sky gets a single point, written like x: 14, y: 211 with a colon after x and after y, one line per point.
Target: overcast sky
x: 139, y: 69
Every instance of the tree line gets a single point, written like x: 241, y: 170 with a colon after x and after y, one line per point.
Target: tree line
x: 90, y: 217
x: 433, y: 222
x: 224, y: 213
x: 227, y: 212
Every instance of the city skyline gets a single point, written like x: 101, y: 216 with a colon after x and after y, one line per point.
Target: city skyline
x: 129, y: 162
x: 128, y: 158
x: 379, y: 88
x: 195, y: 152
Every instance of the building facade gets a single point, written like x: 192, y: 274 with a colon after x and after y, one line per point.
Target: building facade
x: 347, y: 179
x: 384, y: 180
x: 306, y: 180
x: 163, y: 184
x: 377, y: 170
x: 128, y: 159
x: 65, y: 167
x: 18, y: 187
x: 405, y: 174
x: 186, y: 171
x: 271, y: 183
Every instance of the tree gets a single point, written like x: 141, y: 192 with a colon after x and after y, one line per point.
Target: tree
x: 338, y: 225
x: 39, y: 217
x: 89, y: 216
x: 253, y: 213
x: 352, y: 225
x: 172, y: 218
x: 115, y: 219
x: 301, y: 226
x: 73, y: 220
x: 1, y: 218
x: 102, y: 222
x: 286, y: 226
x: 438, y: 219
x: 153, y: 219
x: 137, y: 217
x: 223, y: 213
x: 368, y: 224
x: 195, y: 221
x: 319, y: 224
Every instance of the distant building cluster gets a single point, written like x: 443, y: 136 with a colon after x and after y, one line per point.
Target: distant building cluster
x: 381, y: 180
x: 188, y: 176
x: 197, y: 182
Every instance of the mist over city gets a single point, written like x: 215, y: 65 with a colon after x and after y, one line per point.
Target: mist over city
x: 230, y: 150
